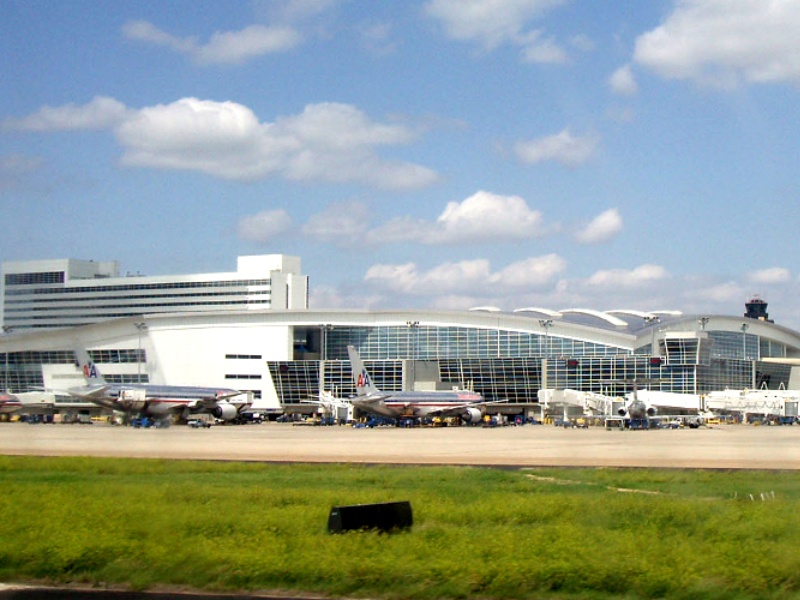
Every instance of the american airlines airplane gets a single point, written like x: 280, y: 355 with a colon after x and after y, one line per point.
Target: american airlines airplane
x: 9, y: 403
x: 456, y: 403
x: 157, y: 401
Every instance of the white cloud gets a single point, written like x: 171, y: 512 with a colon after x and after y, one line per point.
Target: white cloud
x: 772, y: 275
x: 100, y: 113
x: 530, y: 273
x: 621, y: 278
x: 336, y: 142
x: 542, y: 51
x: 224, y: 47
x: 234, y: 47
x: 326, y: 142
x: 465, y: 279
x: 724, y: 42
x: 562, y: 147
x: 491, y: 23
x: 545, y: 281
x: 723, y: 293
x: 342, y: 223
x: 144, y: 31
x: 264, y: 226
x: 403, y: 229
x: 486, y: 215
x: 622, y: 81
x: 397, y: 278
x: 291, y: 11
x: 331, y: 297
x: 602, y: 228
x: 224, y: 139
x: 480, y: 218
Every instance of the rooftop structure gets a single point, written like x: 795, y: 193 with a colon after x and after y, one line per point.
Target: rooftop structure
x: 756, y: 308
x: 47, y: 294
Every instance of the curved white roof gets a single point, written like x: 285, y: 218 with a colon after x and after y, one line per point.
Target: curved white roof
x: 545, y: 311
x: 595, y: 313
x: 633, y: 313
x: 485, y: 309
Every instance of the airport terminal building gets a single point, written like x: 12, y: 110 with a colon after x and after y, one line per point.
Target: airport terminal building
x: 253, y: 330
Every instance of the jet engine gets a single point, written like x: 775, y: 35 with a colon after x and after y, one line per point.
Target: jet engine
x: 637, y: 410
x: 471, y: 415
x: 225, y: 411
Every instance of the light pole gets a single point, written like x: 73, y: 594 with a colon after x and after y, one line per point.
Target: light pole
x: 547, y: 324
x: 414, y: 326
x: 323, y: 354
x: 703, y: 321
x: 6, y: 331
x: 140, y: 327
x: 744, y: 329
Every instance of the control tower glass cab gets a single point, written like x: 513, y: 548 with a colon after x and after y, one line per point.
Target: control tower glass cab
x: 757, y: 309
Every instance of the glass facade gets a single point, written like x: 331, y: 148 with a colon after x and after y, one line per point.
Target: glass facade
x: 427, y: 342
x: 514, y: 379
x: 721, y: 374
x: 729, y: 344
x: 514, y: 366
x: 22, y: 371
x: 772, y: 376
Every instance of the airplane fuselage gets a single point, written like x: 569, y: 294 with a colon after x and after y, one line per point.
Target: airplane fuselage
x: 9, y: 404
x: 420, y: 404
x: 164, y: 400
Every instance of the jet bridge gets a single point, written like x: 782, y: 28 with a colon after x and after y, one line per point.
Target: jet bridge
x: 576, y: 402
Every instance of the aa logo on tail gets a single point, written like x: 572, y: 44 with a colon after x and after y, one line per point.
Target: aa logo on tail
x: 363, y: 379
x: 89, y: 371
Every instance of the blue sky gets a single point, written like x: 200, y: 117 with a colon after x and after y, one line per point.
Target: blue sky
x: 431, y: 153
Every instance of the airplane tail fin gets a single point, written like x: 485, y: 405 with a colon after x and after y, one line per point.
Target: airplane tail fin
x: 364, y: 385
x: 90, y: 371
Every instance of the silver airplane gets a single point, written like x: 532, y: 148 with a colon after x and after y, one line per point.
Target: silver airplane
x: 9, y: 404
x: 467, y: 405
x: 158, y: 401
x: 637, y: 409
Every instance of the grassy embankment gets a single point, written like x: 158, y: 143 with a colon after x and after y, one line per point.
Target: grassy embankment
x: 478, y: 533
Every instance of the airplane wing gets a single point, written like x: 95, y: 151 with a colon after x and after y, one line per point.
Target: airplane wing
x: 221, y: 396
x: 90, y: 394
x: 457, y: 409
x: 375, y: 405
x: 367, y: 401
x: 97, y: 396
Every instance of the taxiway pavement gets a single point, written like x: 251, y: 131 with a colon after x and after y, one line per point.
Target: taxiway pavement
x: 725, y: 446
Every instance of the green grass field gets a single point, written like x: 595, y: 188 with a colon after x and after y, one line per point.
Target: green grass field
x: 478, y: 532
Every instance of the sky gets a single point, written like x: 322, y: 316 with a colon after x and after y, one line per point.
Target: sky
x: 441, y: 154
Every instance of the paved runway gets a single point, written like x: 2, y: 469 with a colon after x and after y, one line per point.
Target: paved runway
x: 725, y: 446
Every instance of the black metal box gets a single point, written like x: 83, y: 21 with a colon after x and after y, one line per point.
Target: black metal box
x: 385, y: 516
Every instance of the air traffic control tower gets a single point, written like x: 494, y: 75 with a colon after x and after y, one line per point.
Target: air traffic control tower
x: 757, y: 309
